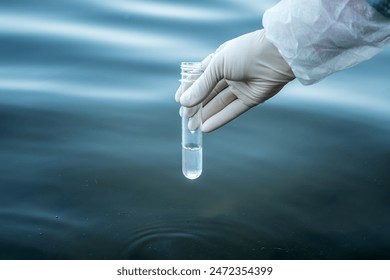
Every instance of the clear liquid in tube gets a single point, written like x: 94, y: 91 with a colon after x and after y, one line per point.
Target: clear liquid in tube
x: 192, y: 160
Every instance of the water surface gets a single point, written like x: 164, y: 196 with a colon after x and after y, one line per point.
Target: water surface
x: 90, y: 154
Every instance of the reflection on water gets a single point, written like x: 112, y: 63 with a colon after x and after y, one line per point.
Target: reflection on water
x: 90, y: 143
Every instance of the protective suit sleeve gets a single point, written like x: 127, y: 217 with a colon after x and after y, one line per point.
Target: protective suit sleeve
x: 320, y: 37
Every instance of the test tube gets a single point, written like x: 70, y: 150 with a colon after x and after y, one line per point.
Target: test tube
x: 191, y: 139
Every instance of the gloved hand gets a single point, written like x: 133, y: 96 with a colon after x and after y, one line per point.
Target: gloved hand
x: 242, y: 73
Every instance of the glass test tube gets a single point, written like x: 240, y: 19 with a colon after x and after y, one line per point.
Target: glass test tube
x: 191, y: 140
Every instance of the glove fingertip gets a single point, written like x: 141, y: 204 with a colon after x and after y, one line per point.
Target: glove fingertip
x: 206, y: 128
x: 185, y: 100
x: 178, y: 94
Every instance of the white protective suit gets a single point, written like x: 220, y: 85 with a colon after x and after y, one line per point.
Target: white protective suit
x: 320, y: 37
x: 306, y: 39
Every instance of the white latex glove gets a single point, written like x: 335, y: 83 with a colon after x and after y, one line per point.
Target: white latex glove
x: 242, y: 73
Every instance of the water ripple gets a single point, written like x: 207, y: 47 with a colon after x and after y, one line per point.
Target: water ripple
x: 68, y: 88
x: 175, y: 11
x: 192, y: 238
x: 21, y: 24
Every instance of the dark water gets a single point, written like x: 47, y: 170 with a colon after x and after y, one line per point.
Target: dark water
x: 90, y: 156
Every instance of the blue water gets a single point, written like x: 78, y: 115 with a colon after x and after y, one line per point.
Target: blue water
x: 90, y: 154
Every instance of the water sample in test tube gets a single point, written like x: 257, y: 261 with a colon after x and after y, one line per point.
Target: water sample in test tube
x: 191, y: 136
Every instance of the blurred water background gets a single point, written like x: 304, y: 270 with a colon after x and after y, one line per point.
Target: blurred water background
x: 90, y: 155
